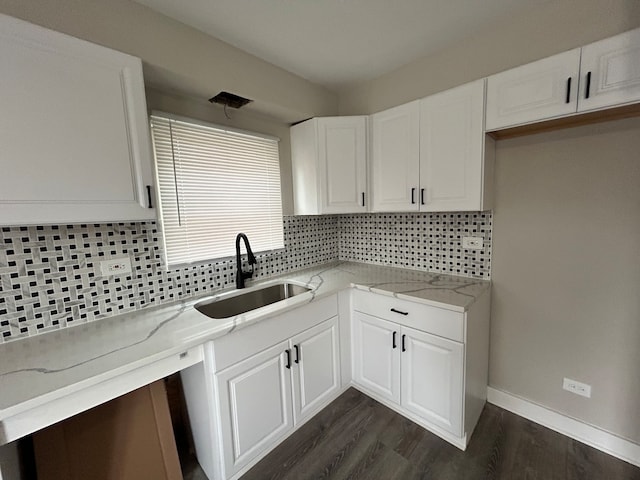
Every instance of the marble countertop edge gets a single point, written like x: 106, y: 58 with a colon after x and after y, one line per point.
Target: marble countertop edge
x: 177, y: 327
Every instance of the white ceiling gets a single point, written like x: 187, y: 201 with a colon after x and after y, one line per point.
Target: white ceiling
x: 337, y: 43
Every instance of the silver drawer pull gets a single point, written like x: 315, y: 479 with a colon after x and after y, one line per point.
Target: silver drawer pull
x: 400, y: 312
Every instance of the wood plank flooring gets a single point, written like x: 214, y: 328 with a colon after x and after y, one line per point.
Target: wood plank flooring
x: 356, y: 437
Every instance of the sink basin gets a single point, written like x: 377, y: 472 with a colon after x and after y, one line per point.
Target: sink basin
x: 243, y: 302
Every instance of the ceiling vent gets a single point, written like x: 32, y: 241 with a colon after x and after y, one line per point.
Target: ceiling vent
x: 230, y: 100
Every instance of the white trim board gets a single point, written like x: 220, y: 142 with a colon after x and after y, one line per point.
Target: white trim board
x: 583, y: 432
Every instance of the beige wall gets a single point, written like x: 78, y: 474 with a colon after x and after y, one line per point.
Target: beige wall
x: 203, y: 110
x: 557, y: 26
x: 179, y: 57
x: 566, y: 272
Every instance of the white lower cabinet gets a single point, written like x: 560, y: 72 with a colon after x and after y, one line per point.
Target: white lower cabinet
x: 376, y: 359
x: 255, y: 405
x: 259, y: 384
x: 432, y: 370
x: 427, y: 363
x: 315, y: 369
x: 422, y: 373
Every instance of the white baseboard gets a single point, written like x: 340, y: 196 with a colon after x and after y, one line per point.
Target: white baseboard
x: 583, y: 432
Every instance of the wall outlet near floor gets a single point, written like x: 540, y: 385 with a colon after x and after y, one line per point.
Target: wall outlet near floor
x: 115, y: 266
x: 473, y: 243
x: 576, y: 387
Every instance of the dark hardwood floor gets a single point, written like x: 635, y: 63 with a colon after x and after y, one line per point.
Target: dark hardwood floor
x: 356, y: 437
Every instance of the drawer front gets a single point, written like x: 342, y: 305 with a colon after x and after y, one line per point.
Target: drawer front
x: 434, y: 320
x: 234, y: 347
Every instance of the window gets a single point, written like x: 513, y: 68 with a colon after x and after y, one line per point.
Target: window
x: 214, y: 183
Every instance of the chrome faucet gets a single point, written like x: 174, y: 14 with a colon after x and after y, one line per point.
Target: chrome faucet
x: 240, y: 275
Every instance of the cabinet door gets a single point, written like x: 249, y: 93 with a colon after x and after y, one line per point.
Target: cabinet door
x: 536, y: 91
x: 316, y: 368
x: 610, y: 72
x: 255, y: 406
x: 376, y: 356
x: 74, y: 130
x: 395, y: 158
x: 452, y: 149
x: 342, y: 156
x: 432, y: 379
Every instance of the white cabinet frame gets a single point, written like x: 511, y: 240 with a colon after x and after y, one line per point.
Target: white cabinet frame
x: 74, y: 130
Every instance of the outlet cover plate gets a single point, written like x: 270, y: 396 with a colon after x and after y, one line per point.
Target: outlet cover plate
x: 473, y: 243
x: 115, y: 266
x: 576, y: 387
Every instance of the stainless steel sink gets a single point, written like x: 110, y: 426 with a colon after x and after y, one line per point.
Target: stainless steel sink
x: 242, y: 302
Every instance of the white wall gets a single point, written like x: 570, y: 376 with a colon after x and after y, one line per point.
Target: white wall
x: 178, y: 57
x: 566, y: 272
x: 556, y: 26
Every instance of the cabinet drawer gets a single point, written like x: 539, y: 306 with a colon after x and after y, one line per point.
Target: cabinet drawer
x: 434, y: 320
x: 237, y: 346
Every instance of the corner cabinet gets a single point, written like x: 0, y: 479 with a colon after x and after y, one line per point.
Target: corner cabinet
x: 432, y: 154
x: 600, y: 75
x: 329, y: 164
x: 259, y: 384
x: 74, y: 130
x: 430, y: 364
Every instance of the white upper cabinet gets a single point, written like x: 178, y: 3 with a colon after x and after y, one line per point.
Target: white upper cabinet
x: 601, y: 75
x: 74, y: 130
x: 610, y: 72
x: 395, y: 158
x: 456, y: 161
x: 432, y: 155
x: 537, y: 91
x: 329, y: 163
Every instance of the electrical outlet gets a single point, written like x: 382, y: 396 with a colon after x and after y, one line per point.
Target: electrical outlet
x: 576, y: 387
x: 115, y: 266
x: 473, y: 243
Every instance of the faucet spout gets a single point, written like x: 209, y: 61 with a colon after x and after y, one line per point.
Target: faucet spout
x: 240, y: 274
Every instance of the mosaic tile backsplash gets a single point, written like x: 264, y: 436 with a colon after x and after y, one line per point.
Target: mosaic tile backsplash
x: 422, y: 241
x: 50, y: 275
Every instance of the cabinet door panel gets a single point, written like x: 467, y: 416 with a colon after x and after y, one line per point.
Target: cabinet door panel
x: 255, y: 406
x: 432, y: 377
x: 395, y: 158
x: 73, y: 129
x: 614, y: 67
x: 376, y: 364
x: 452, y: 149
x: 343, y: 162
x: 316, y: 368
x: 533, y: 92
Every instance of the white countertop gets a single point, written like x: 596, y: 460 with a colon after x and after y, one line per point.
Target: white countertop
x: 48, y: 367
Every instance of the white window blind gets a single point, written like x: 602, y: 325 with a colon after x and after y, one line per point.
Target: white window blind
x: 215, y: 183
